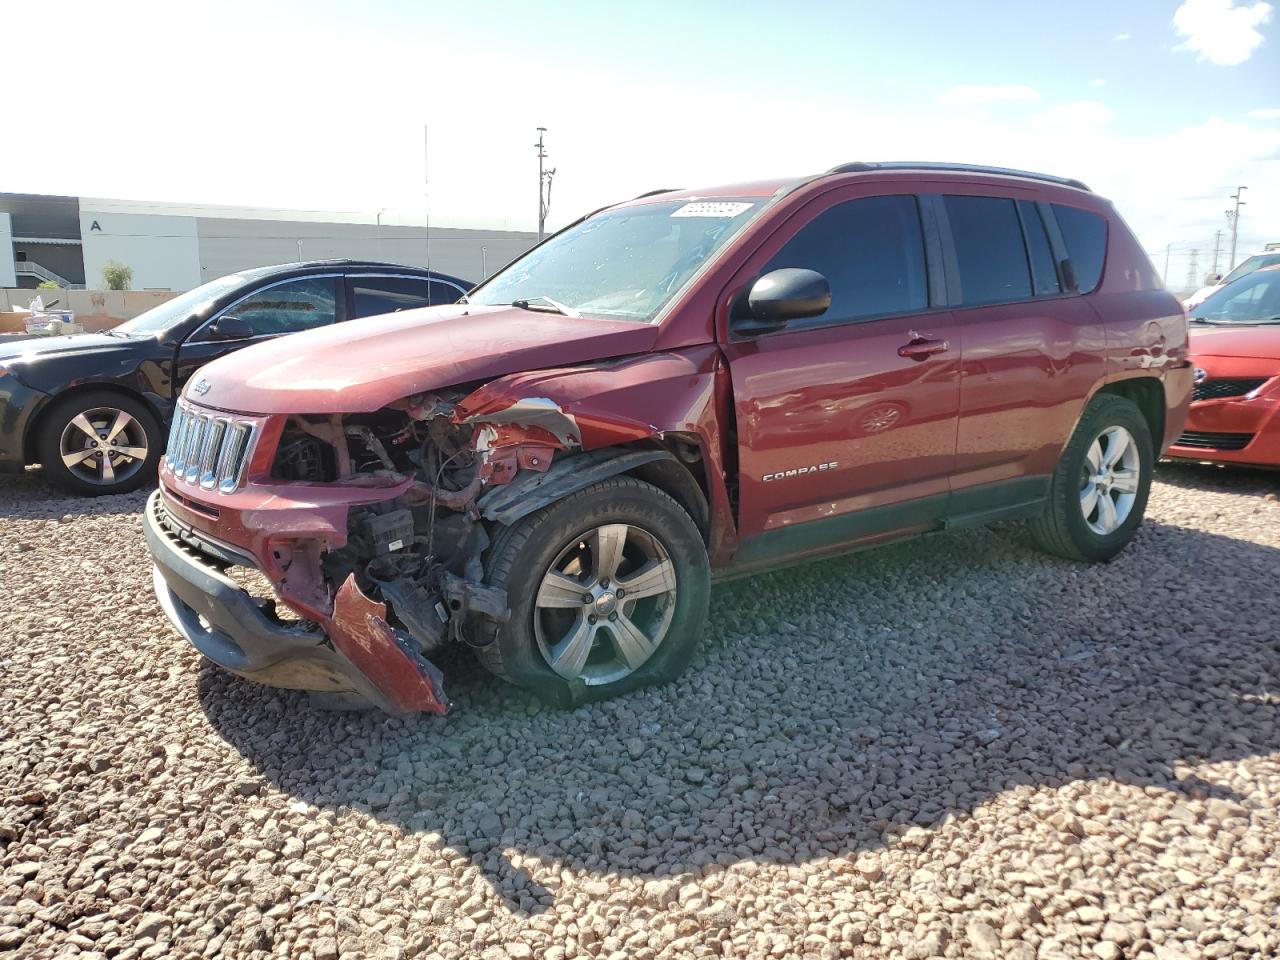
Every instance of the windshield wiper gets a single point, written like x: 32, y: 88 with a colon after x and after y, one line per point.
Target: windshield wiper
x: 1216, y: 323
x: 554, y: 306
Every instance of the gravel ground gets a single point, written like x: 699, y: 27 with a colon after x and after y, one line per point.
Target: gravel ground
x: 954, y: 747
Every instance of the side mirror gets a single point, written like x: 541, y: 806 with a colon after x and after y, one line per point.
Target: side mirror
x: 228, y: 327
x: 781, y: 296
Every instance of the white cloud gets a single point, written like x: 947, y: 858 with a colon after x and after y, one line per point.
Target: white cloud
x: 1097, y: 83
x: 1219, y: 31
x: 1082, y: 113
x: 968, y: 94
x: 1266, y: 113
x: 1121, y: 37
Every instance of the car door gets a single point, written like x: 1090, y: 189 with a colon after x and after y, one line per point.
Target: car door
x: 846, y: 421
x: 272, y: 310
x: 1032, y: 349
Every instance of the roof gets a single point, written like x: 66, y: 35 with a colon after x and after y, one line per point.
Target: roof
x: 308, y: 265
x: 768, y: 188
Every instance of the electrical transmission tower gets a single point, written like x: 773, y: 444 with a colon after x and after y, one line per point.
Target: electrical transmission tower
x: 1234, y: 217
x: 1193, y: 269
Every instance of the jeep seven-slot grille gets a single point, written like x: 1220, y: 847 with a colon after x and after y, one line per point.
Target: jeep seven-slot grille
x: 1215, y: 441
x: 1218, y: 389
x: 208, y: 448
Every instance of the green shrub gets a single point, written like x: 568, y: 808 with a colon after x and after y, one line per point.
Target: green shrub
x: 116, y: 276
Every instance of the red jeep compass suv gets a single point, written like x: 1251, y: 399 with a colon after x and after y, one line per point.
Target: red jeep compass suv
x: 692, y: 384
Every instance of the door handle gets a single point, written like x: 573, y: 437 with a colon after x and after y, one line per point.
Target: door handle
x: 921, y: 349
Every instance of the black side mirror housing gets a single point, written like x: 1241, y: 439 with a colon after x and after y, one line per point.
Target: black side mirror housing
x: 780, y: 296
x: 228, y: 327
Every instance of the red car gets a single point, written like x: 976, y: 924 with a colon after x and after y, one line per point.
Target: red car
x: 692, y: 384
x: 1235, y: 351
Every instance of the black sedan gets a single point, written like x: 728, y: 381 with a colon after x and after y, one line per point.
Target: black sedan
x: 92, y: 408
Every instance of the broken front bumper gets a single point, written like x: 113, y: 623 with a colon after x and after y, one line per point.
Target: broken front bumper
x: 354, y: 652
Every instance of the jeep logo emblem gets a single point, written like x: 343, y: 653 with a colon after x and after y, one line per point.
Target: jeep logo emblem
x: 201, y: 388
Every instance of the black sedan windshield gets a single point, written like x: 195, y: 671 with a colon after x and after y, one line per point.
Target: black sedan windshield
x: 1254, y: 298
x: 624, y: 263
x: 172, y: 312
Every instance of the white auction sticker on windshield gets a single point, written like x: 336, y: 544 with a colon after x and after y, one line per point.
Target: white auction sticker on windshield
x: 726, y: 209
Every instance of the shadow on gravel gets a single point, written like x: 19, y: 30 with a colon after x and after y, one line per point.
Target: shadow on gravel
x: 1218, y: 477
x: 832, y: 706
x: 29, y: 495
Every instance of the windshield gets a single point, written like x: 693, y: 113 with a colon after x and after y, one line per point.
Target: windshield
x: 172, y: 312
x: 624, y: 263
x: 1255, y: 298
x: 1250, y: 265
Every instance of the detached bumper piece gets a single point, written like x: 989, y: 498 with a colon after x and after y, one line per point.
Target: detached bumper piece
x: 354, y: 651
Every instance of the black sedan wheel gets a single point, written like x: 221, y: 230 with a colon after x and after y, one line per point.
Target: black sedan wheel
x: 99, y: 443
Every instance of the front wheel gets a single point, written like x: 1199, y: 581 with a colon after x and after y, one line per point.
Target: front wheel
x: 99, y: 442
x: 608, y: 591
x: 1099, y: 492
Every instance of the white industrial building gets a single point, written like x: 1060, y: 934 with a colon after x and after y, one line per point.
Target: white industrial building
x: 172, y: 246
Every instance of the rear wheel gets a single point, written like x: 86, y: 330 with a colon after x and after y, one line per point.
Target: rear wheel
x: 608, y: 592
x: 1099, y: 492
x: 99, y: 442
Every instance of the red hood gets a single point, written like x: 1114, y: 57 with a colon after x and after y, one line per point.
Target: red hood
x: 1260, y: 343
x: 362, y: 365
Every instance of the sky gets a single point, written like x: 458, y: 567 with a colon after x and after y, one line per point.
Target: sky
x: 1163, y: 107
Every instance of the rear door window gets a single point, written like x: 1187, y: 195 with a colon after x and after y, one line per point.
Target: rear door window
x: 289, y: 307
x: 442, y: 292
x: 375, y: 295
x: 990, y: 254
x: 872, y: 253
x: 1085, y: 235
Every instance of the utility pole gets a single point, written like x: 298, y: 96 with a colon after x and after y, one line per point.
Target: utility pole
x: 1235, y: 224
x: 544, y: 185
x: 1217, y: 246
x: 1167, y: 250
x: 426, y: 198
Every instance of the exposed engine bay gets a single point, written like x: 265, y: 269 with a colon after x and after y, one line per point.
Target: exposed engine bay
x: 421, y: 552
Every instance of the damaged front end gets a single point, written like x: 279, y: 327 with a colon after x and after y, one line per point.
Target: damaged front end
x: 391, y: 568
x: 408, y: 575
x: 373, y: 528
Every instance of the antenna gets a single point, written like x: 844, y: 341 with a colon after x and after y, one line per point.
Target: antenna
x: 426, y: 196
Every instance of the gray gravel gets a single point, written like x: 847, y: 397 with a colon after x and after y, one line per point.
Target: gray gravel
x: 955, y: 747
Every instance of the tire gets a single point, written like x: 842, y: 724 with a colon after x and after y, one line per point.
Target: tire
x: 58, y: 433
x: 1065, y: 529
x: 669, y: 616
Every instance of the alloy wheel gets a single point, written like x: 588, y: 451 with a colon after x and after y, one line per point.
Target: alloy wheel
x: 103, y: 446
x: 1109, y: 480
x: 605, y: 604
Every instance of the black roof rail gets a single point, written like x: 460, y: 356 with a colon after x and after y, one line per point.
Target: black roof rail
x: 859, y: 166
x: 654, y: 193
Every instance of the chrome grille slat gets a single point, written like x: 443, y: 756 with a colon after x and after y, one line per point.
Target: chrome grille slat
x: 209, y: 449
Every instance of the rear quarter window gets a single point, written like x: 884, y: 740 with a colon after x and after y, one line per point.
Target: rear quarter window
x: 1085, y: 235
